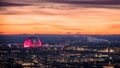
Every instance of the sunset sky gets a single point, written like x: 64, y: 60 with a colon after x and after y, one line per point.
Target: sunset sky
x: 60, y: 17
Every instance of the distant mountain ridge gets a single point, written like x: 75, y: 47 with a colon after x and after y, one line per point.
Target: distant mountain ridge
x: 52, y: 37
x: 93, y: 39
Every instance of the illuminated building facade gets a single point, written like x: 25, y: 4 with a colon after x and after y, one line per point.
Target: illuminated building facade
x: 32, y: 42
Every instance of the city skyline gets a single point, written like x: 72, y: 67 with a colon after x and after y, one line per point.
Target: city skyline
x: 60, y: 17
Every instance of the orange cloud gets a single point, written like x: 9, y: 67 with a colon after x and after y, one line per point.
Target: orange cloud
x: 35, y: 20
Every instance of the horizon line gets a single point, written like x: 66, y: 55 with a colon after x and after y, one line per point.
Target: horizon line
x: 62, y: 34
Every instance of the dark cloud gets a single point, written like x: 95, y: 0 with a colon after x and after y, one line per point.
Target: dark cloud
x: 43, y: 4
x: 97, y: 2
x: 77, y: 2
x: 90, y: 3
x: 3, y: 4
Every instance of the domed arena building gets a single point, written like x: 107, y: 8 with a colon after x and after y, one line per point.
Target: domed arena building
x: 32, y: 42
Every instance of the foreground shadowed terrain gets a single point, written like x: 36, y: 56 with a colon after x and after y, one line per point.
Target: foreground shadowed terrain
x: 61, y: 51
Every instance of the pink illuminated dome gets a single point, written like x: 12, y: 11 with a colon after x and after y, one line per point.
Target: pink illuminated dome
x: 32, y: 42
